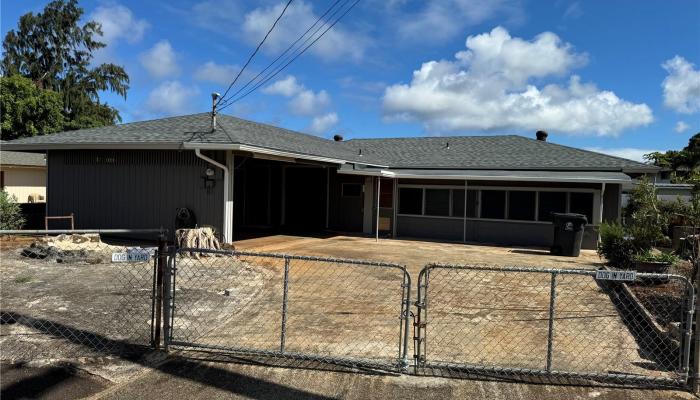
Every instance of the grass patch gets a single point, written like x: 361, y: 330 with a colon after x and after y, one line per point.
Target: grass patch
x: 23, y: 279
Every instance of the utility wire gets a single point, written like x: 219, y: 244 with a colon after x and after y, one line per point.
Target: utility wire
x: 292, y: 60
x: 256, y: 51
x: 319, y: 19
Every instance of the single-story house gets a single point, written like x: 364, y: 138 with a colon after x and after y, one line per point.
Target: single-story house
x: 23, y: 175
x: 245, y: 176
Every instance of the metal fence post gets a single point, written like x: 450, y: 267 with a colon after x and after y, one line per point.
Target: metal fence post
x: 696, y: 344
x: 168, y: 297
x: 550, y: 334
x: 404, y: 329
x: 283, y: 336
x: 160, y: 266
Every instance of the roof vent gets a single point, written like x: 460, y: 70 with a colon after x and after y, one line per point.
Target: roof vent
x: 338, y: 137
x: 359, y: 153
x: 541, y: 135
x: 447, y: 145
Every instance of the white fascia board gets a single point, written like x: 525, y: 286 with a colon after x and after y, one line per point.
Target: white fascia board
x: 263, y: 150
x: 363, y: 172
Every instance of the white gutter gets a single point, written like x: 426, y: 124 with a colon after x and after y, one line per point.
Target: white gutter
x: 391, y: 174
x: 228, y: 204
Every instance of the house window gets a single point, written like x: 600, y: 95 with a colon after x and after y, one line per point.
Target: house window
x: 411, y: 201
x: 351, y: 190
x: 551, y: 202
x: 437, y: 202
x: 582, y: 203
x: 521, y: 205
x: 493, y: 204
x: 458, y: 203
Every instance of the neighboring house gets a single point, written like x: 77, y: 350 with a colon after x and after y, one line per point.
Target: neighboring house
x: 665, y: 191
x: 23, y: 175
x: 246, y: 176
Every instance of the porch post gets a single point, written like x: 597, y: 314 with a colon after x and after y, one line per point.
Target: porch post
x: 394, y: 206
x: 602, y: 201
x: 379, y: 188
x: 464, y: 218
x: 328, y: 195
x: 228, y: 214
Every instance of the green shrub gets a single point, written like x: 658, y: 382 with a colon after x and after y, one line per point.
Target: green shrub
x: 615, y: 245
x: 648, y: 256
x: 10, y: 212
x: 645, y: 223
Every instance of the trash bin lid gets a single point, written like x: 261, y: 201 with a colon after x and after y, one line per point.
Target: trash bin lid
x: 573, y: 217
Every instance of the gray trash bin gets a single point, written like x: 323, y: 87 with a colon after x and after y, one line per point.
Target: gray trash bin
x: 568, y: 233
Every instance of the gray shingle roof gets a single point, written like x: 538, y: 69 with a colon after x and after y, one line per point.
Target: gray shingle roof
x: 509, y: 152
x: 464, y: 152
x: 21, y: 158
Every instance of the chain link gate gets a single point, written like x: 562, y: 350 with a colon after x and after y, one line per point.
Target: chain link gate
x: 70, y: 294
x: 345, y: 312
x: 565, y: 324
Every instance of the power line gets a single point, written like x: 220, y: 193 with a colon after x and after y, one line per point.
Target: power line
x: 292, y: 60
x: 256, y: 50
x: 319, y: 19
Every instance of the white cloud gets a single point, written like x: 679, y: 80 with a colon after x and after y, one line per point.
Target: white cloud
x: 681, y: 127
x: 443, y: 19
x: 573, y: 10
x: 286, y: 87
x: 681, y: 86
x: 118, y: 22
x: 336, y: 44
x: 489, y: 87
x: 160, y: 61
x: 321, y: 124
x: 629, y: 153
x: 303, y: 101
x: 222, y: 74
x: 172, y: 97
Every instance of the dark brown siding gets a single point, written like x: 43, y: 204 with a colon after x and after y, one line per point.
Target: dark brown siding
x: 124, y: 189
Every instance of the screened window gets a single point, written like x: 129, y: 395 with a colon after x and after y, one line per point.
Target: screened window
x: 493, y: 204
x: 551, y: 202
x: 458, y: 203
x: 521, y: 205
x: 437, y: 202
x: 352, y: 189
x: 411, y: 201
x: 582, y: 203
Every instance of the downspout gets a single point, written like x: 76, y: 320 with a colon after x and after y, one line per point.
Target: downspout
x: 228, y: 205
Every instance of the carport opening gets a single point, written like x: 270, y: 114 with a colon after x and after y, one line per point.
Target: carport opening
x: 276, y: 197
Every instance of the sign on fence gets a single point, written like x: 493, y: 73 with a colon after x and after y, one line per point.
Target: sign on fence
x: 628, y: 276
x: 131, y: 256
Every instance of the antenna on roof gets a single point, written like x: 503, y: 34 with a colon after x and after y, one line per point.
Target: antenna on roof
x: 214, y: 96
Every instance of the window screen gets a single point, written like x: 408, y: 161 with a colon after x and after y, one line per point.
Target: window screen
x: 521, y: 205
x: 582, y: 203
x: 437, y: 202
x: 493, y: 204
x: 352, y: 190
x: 551, y: 202
x: 411, y: 201
x: 458, y: 203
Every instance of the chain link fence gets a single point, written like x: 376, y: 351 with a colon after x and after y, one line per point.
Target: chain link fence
x: 553, y: 324
x: 70, y: 294
x: 345, y: 312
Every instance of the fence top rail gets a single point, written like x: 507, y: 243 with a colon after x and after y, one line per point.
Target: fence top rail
x: 293, y: 257
x: 559, y: 271
x: 76, y: 231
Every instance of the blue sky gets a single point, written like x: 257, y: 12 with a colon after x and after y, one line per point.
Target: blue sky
x: 620, y: 76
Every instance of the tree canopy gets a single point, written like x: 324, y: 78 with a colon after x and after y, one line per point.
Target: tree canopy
x: 684, y: 163
x: 28, y: 110
x: 54, y: 51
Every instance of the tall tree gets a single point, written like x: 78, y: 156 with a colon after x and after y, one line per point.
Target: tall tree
x: 55, y: 51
